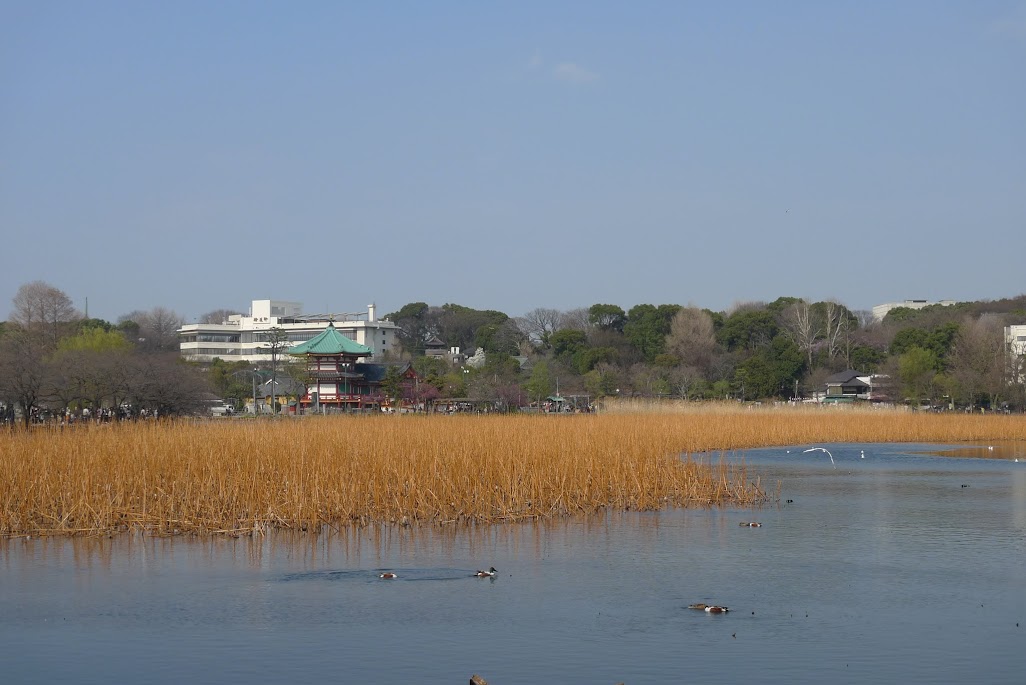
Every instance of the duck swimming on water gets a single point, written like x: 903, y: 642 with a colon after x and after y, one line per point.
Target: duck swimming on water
x: 709, y: 608
x: 490, y: 573
x: 387, y: 575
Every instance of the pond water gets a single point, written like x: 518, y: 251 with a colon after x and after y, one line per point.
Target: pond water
x: 897, y: 567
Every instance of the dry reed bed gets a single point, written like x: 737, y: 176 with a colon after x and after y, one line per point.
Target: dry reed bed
x: 239, y: 477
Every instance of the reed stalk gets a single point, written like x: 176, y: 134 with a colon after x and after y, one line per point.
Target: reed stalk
x: 240, y: 478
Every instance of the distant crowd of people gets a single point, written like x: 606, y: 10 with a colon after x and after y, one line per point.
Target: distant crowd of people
x: 39, y: 416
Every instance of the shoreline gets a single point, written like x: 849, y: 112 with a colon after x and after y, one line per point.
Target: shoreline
x: 222, y: 478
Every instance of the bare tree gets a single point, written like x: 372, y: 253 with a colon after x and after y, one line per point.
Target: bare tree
x: 158, y: 328
x: 507, y: 338
x: 168, y: 386
x: 838, y: 322
x: 685, y: 380
x: 801, y: 327
x: 277, y: 342
x: 648, y: 380
x: 105, y: 378
x: 978, y: 358
x: 218, y: 316
x: 539, y: 324
x: 64, y: 387
x: 23, y: 372
x: 858, y: 329
x: 40, y: 307
x: 575, y: 319
x: 692, y: 339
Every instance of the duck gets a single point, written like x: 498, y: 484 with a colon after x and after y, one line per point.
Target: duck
x: 490, y: 573
x: 388, y: 575
x: 750, y: 524
x: 709, y: 608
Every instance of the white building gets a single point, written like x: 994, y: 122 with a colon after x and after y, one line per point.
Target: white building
x: 880, y: 310
x: 244, y: 338
x: 1015, y: 343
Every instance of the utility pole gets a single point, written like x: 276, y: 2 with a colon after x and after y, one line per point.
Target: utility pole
x: 277, y: 340
x: 252, y: 377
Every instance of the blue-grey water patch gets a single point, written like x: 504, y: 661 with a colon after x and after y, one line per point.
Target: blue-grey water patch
x: 891, y: 565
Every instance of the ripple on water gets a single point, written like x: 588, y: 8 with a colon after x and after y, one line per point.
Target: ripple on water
x: 883, y: 570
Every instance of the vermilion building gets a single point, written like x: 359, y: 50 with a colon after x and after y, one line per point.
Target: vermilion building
x: 337, y: 379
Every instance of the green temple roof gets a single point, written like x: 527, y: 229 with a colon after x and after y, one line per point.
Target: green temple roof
x: 330, y: 341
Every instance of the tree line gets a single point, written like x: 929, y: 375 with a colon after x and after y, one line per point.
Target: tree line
x: 785, y: 349
x: 57, y: 363
x: 55, y: 360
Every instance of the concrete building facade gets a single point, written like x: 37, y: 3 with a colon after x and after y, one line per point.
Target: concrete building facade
x: 244, y: 338
x: 1015, y: 344
x: 880, y: 310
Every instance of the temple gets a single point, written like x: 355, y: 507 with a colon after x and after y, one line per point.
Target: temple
x: 336, y: 378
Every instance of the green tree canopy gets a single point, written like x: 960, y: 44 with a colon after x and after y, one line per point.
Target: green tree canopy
x: 917, y: 368
x: 647, y: 327
x: 748, y: 329
x: 867, y: 359
x: 780, y: 304
x: 432, y: 371
x: 567, y: 342
x: 102, y: 324
x: 459, y: 325
x: 587, y: 358
x: 939, y: 341
x: 96, y: 340
x: 772, y: 371
x: 392, y: 384
x: 539, y: 384
x: 608, y: 317
x: 414, y: 326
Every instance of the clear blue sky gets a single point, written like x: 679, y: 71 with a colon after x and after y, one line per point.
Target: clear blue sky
x: 198, y: 155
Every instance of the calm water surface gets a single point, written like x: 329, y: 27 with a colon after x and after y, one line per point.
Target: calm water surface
x: 882, y: 569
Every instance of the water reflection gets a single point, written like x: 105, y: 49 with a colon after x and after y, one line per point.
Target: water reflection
x: 884, y: 569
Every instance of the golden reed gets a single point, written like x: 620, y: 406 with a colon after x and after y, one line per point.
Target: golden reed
x: 237, y: 477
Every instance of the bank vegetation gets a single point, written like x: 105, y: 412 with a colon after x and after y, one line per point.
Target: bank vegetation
x: 241, y: 477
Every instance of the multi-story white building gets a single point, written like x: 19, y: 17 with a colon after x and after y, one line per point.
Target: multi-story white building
x: 244, y: 338
x: 1015, y: 344
x: 880, y: 310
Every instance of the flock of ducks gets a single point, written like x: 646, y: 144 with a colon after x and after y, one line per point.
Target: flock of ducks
x: 708, y: 608
x: 490, y: 573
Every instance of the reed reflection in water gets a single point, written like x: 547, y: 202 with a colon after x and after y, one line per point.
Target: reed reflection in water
x: 885, y: 569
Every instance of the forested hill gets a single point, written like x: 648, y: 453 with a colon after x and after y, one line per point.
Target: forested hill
x: 779, y: 349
